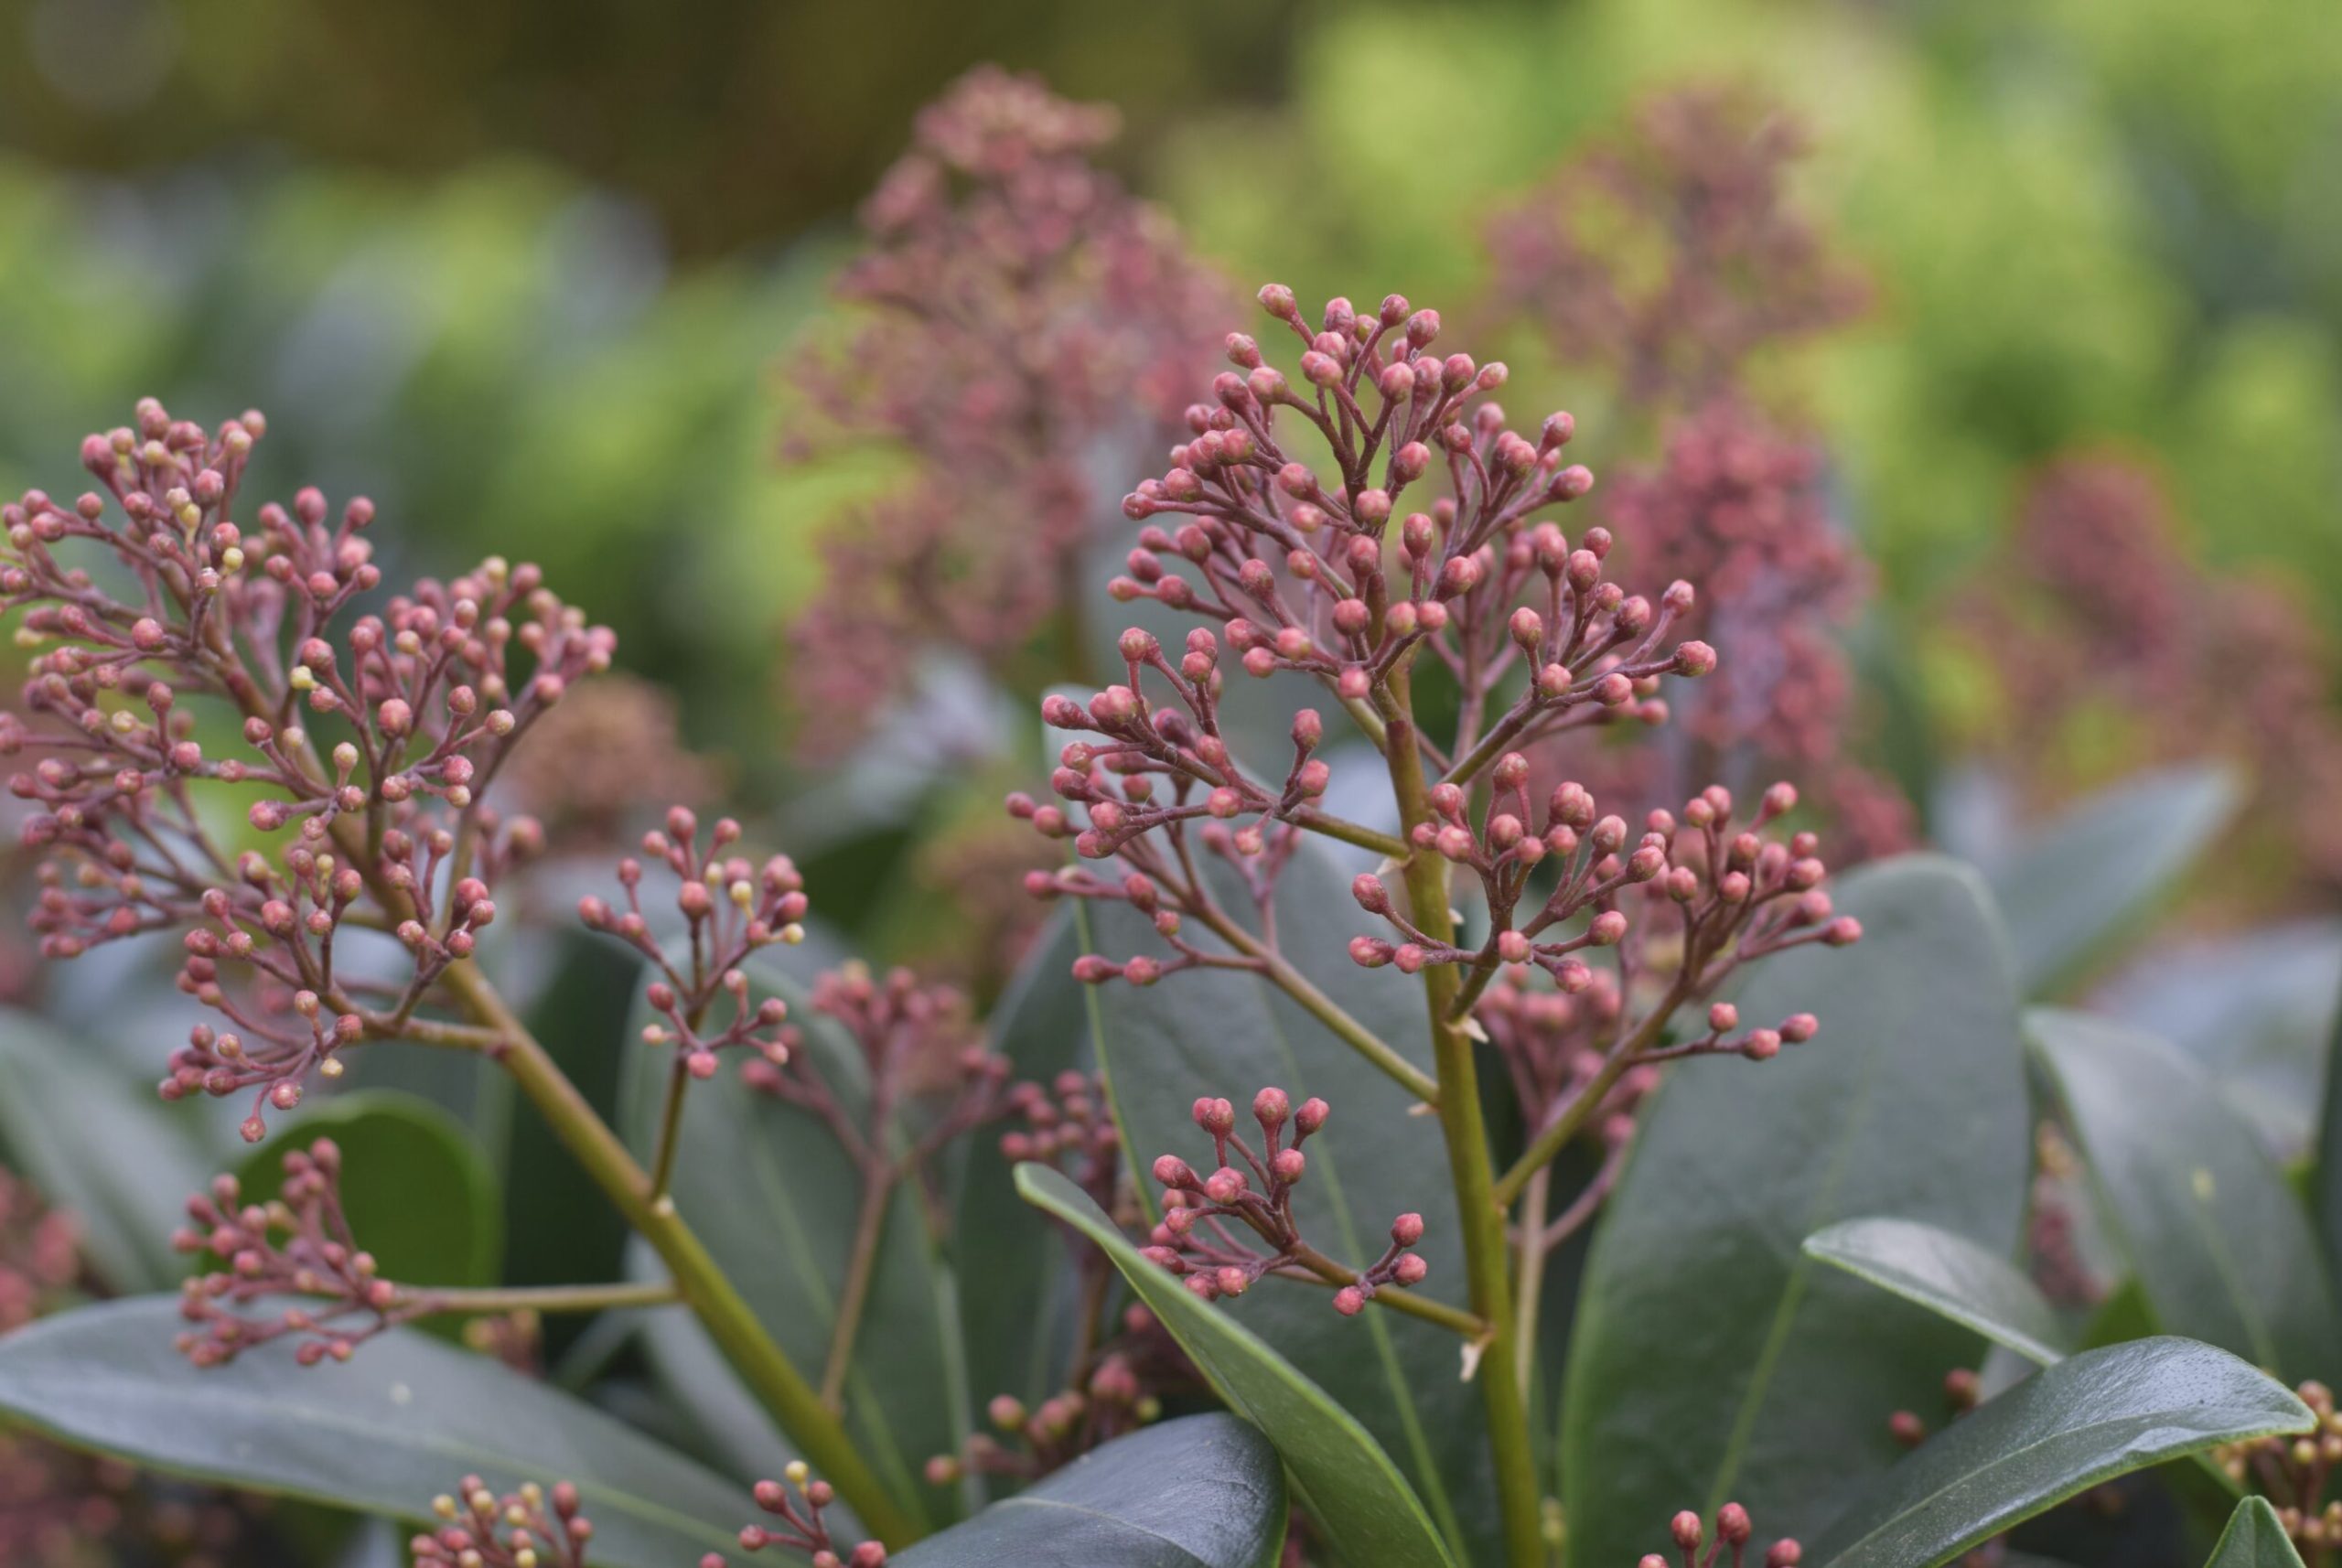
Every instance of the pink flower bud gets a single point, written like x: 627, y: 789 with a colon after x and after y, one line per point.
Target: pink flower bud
x: 1349, y: 1300
x: 1407, y: 1229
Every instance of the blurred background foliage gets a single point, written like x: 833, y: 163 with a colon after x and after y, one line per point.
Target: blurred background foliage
x: 534, y: 276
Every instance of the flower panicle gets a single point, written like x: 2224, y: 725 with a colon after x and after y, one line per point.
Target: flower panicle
x: 368, y: 739
x: 1198, y: 1238
x: 1730, y: 1542
x: 298, y: 1245
x: 798, y: 1503
x: 731, y: 909
x: 530, y: 1527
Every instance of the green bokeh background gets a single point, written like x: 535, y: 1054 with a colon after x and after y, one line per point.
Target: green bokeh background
x: 523, y: 272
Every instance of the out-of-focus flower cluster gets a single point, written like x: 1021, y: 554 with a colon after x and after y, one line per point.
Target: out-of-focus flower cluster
x: 525, y: 1529
x: 2294, y: 1471
x: 2096, y: 610
x: 41, y: 1257
x: 916, y: 1042
x: 1740, y: 507
x: 183, y: 609
x: 1671, y: 254
x: 611, y: 746
x: 1028, y: 324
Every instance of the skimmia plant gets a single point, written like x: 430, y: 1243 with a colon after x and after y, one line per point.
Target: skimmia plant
x: 1338, y: 1183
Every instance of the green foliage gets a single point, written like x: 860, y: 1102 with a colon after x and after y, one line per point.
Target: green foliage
x: 1206, y: 1491
x: 1712, y: 1360
x: 2214, y: 1234
x: 2098, y: 1416
x: 1949, y: 1275
x: 415, y: 1189
x: 386, y: 1432
x: 1354, y: 1496
x: 774, y: 1198
x: 124, y: 1164
x: 2254, y: 1539
x: 1226, y: 1033
x: 2079, y: 883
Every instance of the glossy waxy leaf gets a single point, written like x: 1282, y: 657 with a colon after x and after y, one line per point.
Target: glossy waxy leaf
x: 1206, y: 1491
x: 2255, y: 1538
x: 1015, y: 1292
x: 1356, y: 1497
x: 99, y: 1144
x: 776, y: 1199
x: 2326, y: 1188
x: 398, y: 1424
x: 2074, y: 886
x: 1948, y: 1274
x: 2218, y: 1243
x: 1228, y: 1034
x: 1712, y: 1359
x: 2070, y: 1427
x: 414, y: 1187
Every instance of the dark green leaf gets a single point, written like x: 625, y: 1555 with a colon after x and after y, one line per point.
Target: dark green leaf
x: 1712, y: 1359
x: 1223, y: 1032
x: 416, y: 1192
x: 1356, y: 1496
x: 100, y: 1144
x: 2085, y: 1421
x: 2074, y: 886
x: 729, y: 1428
x: 2218, y: 1240
x: 2327, y: 1187
x: 1014, y: 1290
x: 1202, y: 1492
x: 2255, y: 1009
x: 400, y: 1424
x: 2254, y: 1539
x: 1949, y: 1275
x: 775, y: 1197
x: 558, y: 1226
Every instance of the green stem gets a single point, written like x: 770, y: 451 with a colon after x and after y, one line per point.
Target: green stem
x: 1350, y: 832
x: 699, y: 1281
x: 1562, y: 1128
x: 550, y: 1298
x: 1530, y: 1272
x: 1334, y: 1275
x: 671, y: 1127
x: 877, y: 1190
x: 1324, y: 1008
x: 1468, y: 1160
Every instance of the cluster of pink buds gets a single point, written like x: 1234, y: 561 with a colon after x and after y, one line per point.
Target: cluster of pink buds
x: 797, y: 1504
x: 1068, y: 1124
x: 731, y: 909
x: 1334, y: 579
x: 526, y: 1529
x: 1060, y: 1429
x: 1733, y: 1534
x: 298, y: 1244
x: 915, y: 1041
x: 372, y: 740
x: 1671, y: 254
x: 1021, y: 314
x: 1195, y: 1240
x: 1722, y: 897
x: 40, y: 1255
